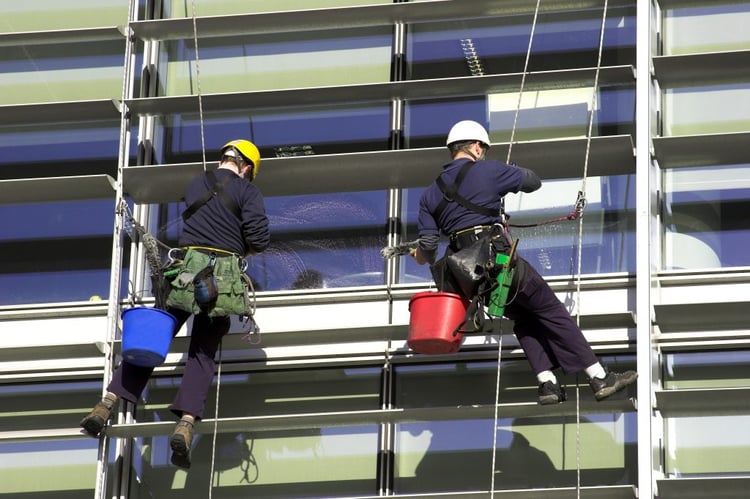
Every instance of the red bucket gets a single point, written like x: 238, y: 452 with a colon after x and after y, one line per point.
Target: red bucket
x: 434, y: 318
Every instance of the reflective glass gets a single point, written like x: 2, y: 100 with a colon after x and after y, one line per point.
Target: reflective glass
x: 180, y: 8
x: 708, y: 109
x: 61, y: 72
x: 718, y: 369
x: 499, y: 45
x: 280, y: 133
x: 68, y: 466
x: 608, y: 243
x: 437, y: 456
x: 42, y: 15
x: 712, y: 27
x: 707, y: 446
x: 541, y: 114
x: 323, y: 241
x: 57, y: 252
x: 705, y: 217
x: 316, y: 461
x: 279, y: 61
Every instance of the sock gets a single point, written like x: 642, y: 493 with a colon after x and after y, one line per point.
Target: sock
x: 110, y: 399
x: 188, y: 418
x: 545, y: 376
x: 596, y: 371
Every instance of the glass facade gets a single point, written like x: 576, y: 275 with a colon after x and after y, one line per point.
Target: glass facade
x: 641, y: 108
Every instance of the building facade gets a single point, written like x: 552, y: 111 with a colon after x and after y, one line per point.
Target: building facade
x: 641, y: 108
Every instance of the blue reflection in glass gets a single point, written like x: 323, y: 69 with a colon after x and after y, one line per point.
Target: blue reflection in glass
x: 331, y: 240
x: 58, y: 252
x: 284, y: 133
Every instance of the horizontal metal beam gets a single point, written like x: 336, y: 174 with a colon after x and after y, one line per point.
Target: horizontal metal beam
x: 705, y: 316
x: 702, y: 150
x: 374, y: 417
x: 693, y: 70
x: 60, y: 112
x: 703, y: 402
x: 51, y: 189
x: 349, y: 17
x: 380, y: 92
x: 87, y: 35
x: 700, y: 488
x: 551, y: 159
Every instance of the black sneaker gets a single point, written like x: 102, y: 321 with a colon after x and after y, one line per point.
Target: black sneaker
x: 613, y: 382
x: 551, y: 393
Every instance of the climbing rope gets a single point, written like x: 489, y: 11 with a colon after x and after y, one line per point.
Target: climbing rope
x: 203, y: 159
x: 500, y: 334
x: 582, y: 194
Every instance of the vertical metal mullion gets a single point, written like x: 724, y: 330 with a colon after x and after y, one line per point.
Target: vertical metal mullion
x: 646, y: 235
x: 386, y: 452
x: 113, y: 308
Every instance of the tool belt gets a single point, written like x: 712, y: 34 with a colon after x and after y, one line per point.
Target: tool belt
x: 210, y: 281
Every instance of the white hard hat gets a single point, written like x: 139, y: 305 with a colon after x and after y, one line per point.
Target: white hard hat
x: 468, y: 130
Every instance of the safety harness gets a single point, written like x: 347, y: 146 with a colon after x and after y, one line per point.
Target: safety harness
x: 215, y: 188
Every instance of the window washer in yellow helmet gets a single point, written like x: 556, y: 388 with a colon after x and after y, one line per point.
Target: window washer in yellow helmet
x: 224, y: 222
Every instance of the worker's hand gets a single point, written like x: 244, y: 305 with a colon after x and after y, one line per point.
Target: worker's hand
x: 417, y: 255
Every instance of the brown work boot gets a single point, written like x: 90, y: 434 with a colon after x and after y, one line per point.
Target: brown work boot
x: 94, y: 423
x: 180, y: 442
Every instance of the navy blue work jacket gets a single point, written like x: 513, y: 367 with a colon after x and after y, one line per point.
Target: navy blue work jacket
x: 485, y: 185
x: 214, y: 226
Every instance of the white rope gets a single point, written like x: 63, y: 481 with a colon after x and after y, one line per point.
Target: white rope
x: 500, y: 335
x: 198, y: 87
x: 497, y: 402
x: 203, y: 157
x: 523, y: 81
x: 580, y: 236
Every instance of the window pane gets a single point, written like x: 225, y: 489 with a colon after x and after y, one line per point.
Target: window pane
x: 712, y: 27
x: 608, y: 226
x: 281, y: 133
x: 58, y: 252
x: 61, y: 72
x: 265, y: 62
x: 52, y: 14
x: 701, y: 110
x: 180, y: 8
x: 437, y: 456
x: 68, y: 466
x: 499, y: 45
x: 311, y: 462
x: 542, y: 114
x: 331, y: 240
x: 706, y: 217
x: 707, y: 445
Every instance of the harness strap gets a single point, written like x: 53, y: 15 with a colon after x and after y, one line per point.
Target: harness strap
x: 215, y: 188
x: 450, y: 194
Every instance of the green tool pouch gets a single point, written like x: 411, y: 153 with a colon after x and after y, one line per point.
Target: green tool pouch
x: 210, y: 283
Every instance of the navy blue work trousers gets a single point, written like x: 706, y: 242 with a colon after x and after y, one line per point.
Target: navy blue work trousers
x: 548, y: 334
x: 130, y: 380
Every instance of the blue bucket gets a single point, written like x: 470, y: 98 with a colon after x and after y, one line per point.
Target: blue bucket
x: 146, y: 335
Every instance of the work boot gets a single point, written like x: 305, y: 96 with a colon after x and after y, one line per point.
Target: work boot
x: 94, y: 423
x: 551, y: 393
x: 180, y: 442
x: 612, y: 383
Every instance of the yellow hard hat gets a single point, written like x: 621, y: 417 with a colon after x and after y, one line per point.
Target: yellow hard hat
x: 247, y: 149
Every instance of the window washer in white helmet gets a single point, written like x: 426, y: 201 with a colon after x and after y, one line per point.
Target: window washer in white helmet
x: 465, y: 203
